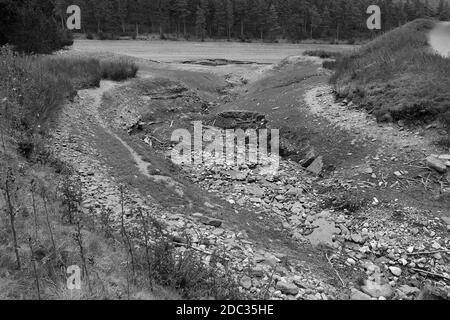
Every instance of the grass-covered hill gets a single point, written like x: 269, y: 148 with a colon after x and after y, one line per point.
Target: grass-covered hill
x: 397, y: 76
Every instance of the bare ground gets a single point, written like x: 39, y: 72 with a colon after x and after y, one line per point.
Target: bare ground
x: 397, y: 212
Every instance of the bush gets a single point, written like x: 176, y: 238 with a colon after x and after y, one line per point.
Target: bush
x: 66, y: 38
x: 322, y: 54
x: 118, y: 69
x: 329, y: 65
x: 31, y: 27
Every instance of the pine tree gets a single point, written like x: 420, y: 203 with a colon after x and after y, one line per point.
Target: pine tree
x: 183, y: 13
x: 230, y: 18
x: 200, y: 22
x: 272, y: 22
x: 315, y: 19
x: 220, y: 17
x: 122, y: 12
x: 241, y: 15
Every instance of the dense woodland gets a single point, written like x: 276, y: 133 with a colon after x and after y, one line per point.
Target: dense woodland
x: 35, y: 24
x: 249, y: 19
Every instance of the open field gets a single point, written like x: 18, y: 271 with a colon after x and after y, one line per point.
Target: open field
x: 177, y: 51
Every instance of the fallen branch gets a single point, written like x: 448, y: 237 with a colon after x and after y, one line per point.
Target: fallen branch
x: 431, y: 273
x: 429, y: 252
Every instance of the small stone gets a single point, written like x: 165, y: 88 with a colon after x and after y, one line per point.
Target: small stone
x: 408, y: 290
x: 356, y: 237
x: 246, y: 282
x: 211, y: 222
x: 436, y: 245
x: 403, y: 261
x: 294, y: 192
x: 287, y: 288
x: 377, y: 290
x: 358, y: 295
x: 351, y: 262
x: 436, y: 164
x: 396, y: 271
x: 446, y: 220
x: 317, y: 166
x: 258, y: 272
x: 410, y: 249
x: 297, y: 208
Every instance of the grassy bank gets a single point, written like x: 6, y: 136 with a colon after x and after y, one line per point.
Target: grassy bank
x: 397, y: 76
x: 33, y: 88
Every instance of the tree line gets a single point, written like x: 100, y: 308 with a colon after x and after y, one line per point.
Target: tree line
x: 39, y: 25
x: 248, y: 19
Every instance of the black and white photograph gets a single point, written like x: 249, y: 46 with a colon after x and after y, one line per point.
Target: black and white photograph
x: 231, y: 157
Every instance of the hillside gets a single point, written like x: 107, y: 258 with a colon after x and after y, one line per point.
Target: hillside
x: 397, y: 76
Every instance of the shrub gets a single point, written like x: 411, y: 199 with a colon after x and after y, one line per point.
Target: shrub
x: 329, y: 65
x: 185, y: 271
x: 118, y: 69
x: 322, y: 54
x: 66, y: 38
x: 31, y: 27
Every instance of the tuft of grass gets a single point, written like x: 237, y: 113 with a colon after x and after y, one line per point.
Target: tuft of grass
x: 118, y: 69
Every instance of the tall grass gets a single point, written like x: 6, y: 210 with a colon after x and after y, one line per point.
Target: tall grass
x: 82, y: 72
x: 398, y: 75
x: 118, y: 69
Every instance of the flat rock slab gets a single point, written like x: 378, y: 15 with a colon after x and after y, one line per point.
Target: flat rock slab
x: 436, y: 164
x: 323, y: 234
